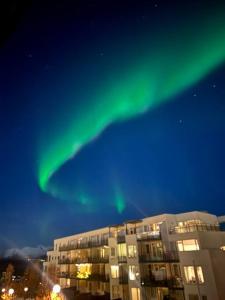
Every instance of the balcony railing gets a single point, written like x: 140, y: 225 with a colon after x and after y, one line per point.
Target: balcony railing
x: 172, y: 282
x: 122, y: 259
x: 149, y: 236
x: 85, y: 245
x: 194, y: 228
x: 80, y: 260
x: 123, y: 279
x: 121, y: 239
x: 172, y: 256
x: 92, y: 277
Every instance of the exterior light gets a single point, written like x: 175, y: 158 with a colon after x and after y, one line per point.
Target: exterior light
x: 56, y: 289
x: 3, y: 290
x: 25, y: 289
x: 11, y: 292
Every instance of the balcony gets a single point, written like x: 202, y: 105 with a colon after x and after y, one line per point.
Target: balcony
x: 171, y: 283
x: 122, y: 259
x: 194, y: 228
x: 123, y: 279
x: 85, y: 245
x: 92, y: 277
x: 149, y: 236
x: 121, y: 239
x: 171, y: 256
x: 80, y: 260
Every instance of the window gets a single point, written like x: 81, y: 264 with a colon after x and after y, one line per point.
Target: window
x: 189, y: 274
x: 200, y: 274
x: 122, y: 250
x: 188, y: 245
x: 133, y: 272
x: 115, y: 271
x: 135, y: 294
x: 132, y: 251
x: 113, y: 251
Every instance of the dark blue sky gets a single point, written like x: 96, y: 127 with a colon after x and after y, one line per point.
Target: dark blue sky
x: 170, y: 159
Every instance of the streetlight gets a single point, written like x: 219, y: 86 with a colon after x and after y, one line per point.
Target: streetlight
x: 55, y: 292
x: 3, y: 290
x: 11, y: 292
x: 25, y: 291
x: 56, y: 289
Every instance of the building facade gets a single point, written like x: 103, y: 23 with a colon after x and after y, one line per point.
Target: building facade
x: 169, y: 256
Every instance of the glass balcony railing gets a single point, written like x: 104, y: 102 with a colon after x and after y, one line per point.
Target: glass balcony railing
x: 194, y: 228
x: 123, y: 279
x: 80, y: 260
x: 172, y: 282
x: 149, y: 236
x: 84, y: 245
x: 171, y: 256
x: 122, y: 259
x: 91, y: 277
x: 121, y: 239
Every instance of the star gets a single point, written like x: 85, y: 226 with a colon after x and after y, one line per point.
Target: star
x: 29, y: 55
x: 214, y: 86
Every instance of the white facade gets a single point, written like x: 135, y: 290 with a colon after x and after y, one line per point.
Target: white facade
x: 180, y: 256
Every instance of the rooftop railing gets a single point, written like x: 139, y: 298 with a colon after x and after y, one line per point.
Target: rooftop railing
x: 194, y: 228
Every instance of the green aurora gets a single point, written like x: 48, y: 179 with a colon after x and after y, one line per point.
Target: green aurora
x: 159, y: 65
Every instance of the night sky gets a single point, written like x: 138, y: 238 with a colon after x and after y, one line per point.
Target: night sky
x: 109, y: 110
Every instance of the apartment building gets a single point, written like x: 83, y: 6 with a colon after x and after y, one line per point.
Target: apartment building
x: 169, y: 256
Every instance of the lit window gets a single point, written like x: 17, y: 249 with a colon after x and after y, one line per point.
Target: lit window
x: 132, y: 251
x: 122, y: 250
x: 189, y: 274
x: 188, y: 245
x: 200, y: 274
x: 115, y: 271
x: 135, y: 294
x: 83, y: 271
x: 133, y: 272
x: 190, y: 277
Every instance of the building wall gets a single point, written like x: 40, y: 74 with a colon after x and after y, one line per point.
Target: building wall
x: 156, y: 269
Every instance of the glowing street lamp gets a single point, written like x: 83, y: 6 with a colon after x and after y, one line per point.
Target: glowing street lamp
x: 11, y: 292
x: 3, y: 290
x: 55, y: 292
x: 56, y: 289
x: 25, y: 289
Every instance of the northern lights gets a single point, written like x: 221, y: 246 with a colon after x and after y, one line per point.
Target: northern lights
x: 152, y: 68
x: 110, y: 111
